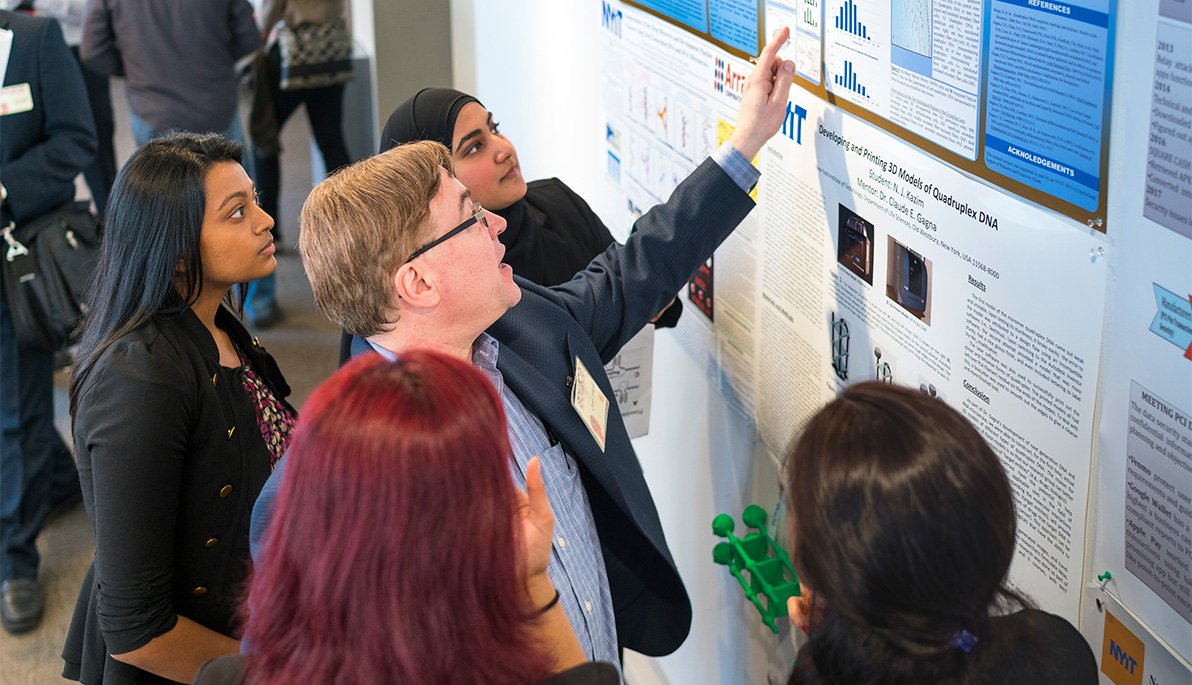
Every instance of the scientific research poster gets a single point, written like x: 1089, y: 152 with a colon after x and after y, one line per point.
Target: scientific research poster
x: 731, y: 24
x: 868, y: 259
x: 881, y: 262
x: 1143, y: 516
x: 670, y: 99
x: 1016, y: 92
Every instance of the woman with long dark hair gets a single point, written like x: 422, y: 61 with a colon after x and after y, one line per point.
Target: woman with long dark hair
x: 903, y: 527
x: 402, y: 551
x: 179, y: 415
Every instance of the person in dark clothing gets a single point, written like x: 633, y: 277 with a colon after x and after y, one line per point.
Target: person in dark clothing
x: 42, y: 149
x: 324, y: 105
x: 102, y: 171
x: 179, y: 415
x: 903, y: 528
x: 272, y: 106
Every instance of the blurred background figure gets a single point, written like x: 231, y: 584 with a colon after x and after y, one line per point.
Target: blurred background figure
x: 46, y: 140
x: 401, y: 551
x: 179, y: 415
x: 903, y: 528
x: 275, y: 99
x: 178, y: 58
x: 102, y: 171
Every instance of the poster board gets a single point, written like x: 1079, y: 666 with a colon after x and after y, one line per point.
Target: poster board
x: 1142, y: 521
x: 867, y: 258
x: 716, y: 417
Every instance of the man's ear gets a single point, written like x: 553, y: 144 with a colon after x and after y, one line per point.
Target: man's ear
x: 416, y: 287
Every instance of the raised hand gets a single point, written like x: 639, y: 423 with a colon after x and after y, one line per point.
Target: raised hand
x: 763, y: 106
x: 537, y: 522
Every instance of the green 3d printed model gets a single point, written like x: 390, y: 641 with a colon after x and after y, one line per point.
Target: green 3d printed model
x: 769, y: 566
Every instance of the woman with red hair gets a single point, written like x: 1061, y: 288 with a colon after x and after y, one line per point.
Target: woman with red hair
x: 401, y: 551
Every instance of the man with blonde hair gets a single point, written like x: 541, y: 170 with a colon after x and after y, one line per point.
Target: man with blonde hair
x: 399, y: 255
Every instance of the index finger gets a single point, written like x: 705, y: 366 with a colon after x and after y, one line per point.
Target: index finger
x: 771, y: 50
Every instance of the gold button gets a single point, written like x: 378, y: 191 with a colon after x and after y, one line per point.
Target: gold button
x: 255, y: 342
x: 199, y: 591
x: 212, y: 542
x: 230, y: 431
x: 225, y: 491
x: 213, y: 378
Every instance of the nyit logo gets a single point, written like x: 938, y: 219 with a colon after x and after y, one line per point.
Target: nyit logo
x: 729, y: 82
x: 610, y: 19
x: 792, y: 125
x: 1122, y: 656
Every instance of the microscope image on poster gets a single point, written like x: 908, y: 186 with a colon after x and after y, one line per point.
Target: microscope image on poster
x: 908, y: 280
x: 855, y: 244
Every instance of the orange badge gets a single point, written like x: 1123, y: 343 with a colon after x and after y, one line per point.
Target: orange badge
x: 1121, y: 654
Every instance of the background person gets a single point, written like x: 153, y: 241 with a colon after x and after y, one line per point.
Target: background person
x: 178, y: 59
x: 102, y: 171
x: 42, y: 150
x: 452, y: 589
x: 903, y: 528
x: 178, y: 414
x: 272, y: 107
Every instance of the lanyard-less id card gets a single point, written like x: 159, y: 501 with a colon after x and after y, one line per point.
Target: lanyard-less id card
x: 590, y: 403
x: 15, y: 99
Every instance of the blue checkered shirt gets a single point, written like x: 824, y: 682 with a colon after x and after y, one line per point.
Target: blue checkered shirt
x: 741, y: 170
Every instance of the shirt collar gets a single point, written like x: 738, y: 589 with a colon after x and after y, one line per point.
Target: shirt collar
x: 389, y: 356
x: 484, y: 352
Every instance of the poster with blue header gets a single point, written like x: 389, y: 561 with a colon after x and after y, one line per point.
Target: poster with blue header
x: 1047, y: 95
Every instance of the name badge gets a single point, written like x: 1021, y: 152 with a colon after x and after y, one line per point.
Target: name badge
x: 590, y: 403
x: 15, y: 99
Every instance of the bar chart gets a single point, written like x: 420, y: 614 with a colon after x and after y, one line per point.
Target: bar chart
x: 849, y: 79
x: 846, y: 20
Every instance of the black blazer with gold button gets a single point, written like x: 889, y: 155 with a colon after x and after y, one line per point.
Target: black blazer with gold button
x: 171, y: 461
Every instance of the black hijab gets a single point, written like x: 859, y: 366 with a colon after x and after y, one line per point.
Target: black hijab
x: 551, y: 234
x: 429, y: 115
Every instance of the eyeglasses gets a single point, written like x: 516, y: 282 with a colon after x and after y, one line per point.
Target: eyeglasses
x: 477, y: 215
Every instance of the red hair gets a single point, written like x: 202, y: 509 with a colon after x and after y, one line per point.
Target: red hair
x: 393, y: 554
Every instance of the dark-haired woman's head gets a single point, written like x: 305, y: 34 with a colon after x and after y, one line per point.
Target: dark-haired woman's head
x: 485, y: 160
x: 393, y: 556
x: 903, y: 529
x: 153, y: 225
x: 181, y: 220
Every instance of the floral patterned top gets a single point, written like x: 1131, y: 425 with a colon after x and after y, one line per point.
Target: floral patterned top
x: 273, y: 419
